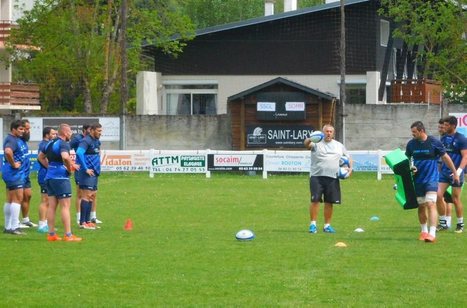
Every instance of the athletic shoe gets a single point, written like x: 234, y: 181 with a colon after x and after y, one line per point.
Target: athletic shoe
x: 6, y: 231
x: 44, y: 229
x: 96, y: 221
x: 442, y: 228
x: 430, y: 239
x: 460, y: 228
x: 313, y: 229
x: 53, y: 238
x: 17, y: 231
x: 87, y: 226
x: 329, y: 229
x: 72, y: 238
x: 23, y: 226
x: 30, y: 224
x: 423, y: 236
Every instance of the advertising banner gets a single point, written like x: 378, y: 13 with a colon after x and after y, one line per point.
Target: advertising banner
x: 277, y: 136
x: 235, y: 162
x: 114, y: 160
x: 287, y: 162
x: 177, y: 163
x: 110, y: 126
x: 461, y: 122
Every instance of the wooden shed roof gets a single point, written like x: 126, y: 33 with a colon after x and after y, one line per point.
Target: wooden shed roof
x: 280, y: 80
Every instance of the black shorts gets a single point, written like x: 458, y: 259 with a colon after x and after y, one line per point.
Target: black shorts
x: 323, y: 188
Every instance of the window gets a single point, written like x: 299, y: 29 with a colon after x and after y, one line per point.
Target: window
x: 384, y: 32
x: 189, y: 99
x: 355, y: 93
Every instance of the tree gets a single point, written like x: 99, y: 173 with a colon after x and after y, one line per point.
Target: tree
x: 435, y: 30
x: 207, y: 13
x: 74, y: 46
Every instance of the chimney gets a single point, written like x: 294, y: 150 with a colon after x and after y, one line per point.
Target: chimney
x: 269, y: 7
x: 290, y: 5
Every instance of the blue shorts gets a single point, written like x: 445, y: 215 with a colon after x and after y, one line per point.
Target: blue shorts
x: 445, y: 177
x: 88, y: 182
x: 59, y: 188
x: 14, y: 185
x: 27, y: 182
x: 422, y: 188
x: 77, y: 177
x: 43, y: 187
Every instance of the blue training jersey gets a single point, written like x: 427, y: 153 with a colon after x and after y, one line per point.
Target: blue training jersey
x: 53, y: 150
x: 42, y: 169
x: 26, y: 165
x: 91, y: 148
x: 425, y: 156
x: 75, y: 140
x: 454, y: 145
x: 8, y: 172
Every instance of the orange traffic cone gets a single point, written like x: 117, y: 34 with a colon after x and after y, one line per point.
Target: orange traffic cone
x: 128, y: 225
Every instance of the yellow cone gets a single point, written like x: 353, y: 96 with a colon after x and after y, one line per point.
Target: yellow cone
x: 340, y: 244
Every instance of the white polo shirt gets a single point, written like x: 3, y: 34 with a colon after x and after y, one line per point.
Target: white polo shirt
x: 325, y: 158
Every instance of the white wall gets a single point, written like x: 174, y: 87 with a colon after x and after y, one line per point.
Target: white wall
x: 23, y: 5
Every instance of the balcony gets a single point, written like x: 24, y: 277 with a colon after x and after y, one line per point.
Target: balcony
x: 5, y: 29
x: 420, y: 91
x: 16, y: 96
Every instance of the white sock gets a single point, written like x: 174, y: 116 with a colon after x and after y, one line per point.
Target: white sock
x: 42, y: 223
x: 313, y: 222
x: 78, y: 216
x: 433, y: 231
x: 14, y: 219
x: 326, y: 225
x: 424, y: 228
x: 25, y: 220
x: 442, y: 220
x: 93, y: 215
x: 460, y: 220
x: 7, y: 213
x: 448, y: 221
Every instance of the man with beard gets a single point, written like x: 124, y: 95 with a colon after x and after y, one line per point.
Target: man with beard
x: 12, y: 175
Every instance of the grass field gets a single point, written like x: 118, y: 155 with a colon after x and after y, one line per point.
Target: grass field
x: 182, y: 250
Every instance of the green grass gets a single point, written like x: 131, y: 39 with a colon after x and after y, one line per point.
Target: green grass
x: 182, y: 250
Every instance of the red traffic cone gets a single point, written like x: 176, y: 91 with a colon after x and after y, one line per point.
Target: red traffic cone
x: 128, y: 225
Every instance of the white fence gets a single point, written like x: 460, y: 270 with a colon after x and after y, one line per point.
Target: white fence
x: 208, y: 161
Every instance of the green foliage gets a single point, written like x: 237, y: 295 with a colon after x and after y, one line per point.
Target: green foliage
x: 182, y: 250
x: 438, y: 27
x: 73, y: 48
x: 208, y: 13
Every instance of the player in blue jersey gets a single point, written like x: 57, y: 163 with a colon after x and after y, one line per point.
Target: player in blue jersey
x: 56, y: 156
x: 27, y: 192
x: 13, y: 176
x: 88, y: 156
x: 74, y: 143
x: 425, y: 151
x: 456, y: 147
x: 48, y: 133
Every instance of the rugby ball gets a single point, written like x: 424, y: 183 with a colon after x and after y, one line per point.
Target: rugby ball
x: 344, y: 161
x: 245, y: 235
x: 343, y: 173
x: 316, y: 136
